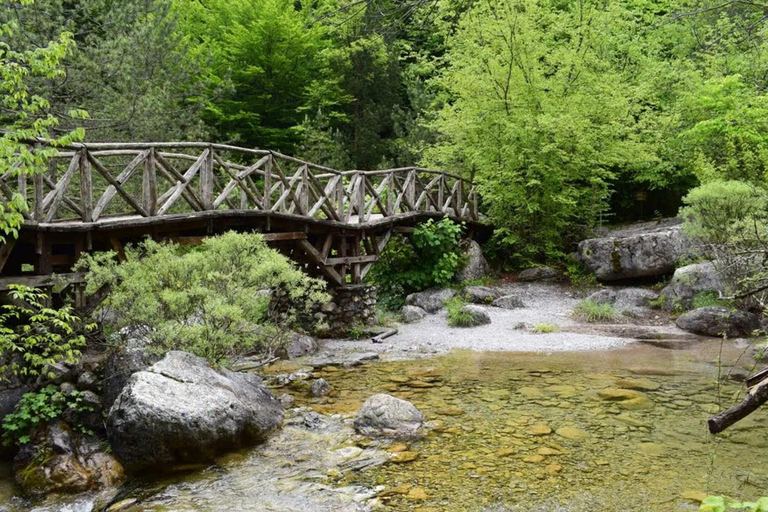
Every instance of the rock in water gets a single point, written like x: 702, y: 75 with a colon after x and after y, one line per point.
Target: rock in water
x: 385, y: 415
x: 412, y: 314
x: 633, y: 255
x: 479, y: 315
x: 180, y: 410
x: 477, y: 267
x: 716, y: 321
x: 319, y: 388
x: 688, y: 282
x: 133, y: 356
x: 537, y: 274
x: 430, y: 301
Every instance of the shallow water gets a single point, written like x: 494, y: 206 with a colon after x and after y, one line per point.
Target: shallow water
x: 511, y: 431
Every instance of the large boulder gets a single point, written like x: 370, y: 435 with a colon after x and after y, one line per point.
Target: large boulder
x: 716, y: 321
x: 476, y: 314
x: 689, y: 281
x: 299, y: 345
x: 480, y: 294
x: 59, y: 460
x: 543, y: 273
x: 412, y: 314
x: 432, y: 300
x: 386, y: 415
x: 633, y: 255
x: 477, y: 267
x: 180, y: 410
x: 132, y: 355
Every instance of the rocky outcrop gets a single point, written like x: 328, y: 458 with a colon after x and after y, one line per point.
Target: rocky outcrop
x: 537, y: 274
x: 477, y: 267
x: 412, y: 314
x: 132, y: 356
x: 509, y: 302
x: 689, y: 281
x: 299, y: 345
x: 59, y: 460
x: 386, y: 415
x: 180, y: 410
x: 477, y: 315
x: 716, y: 321
x: 635, y: 255
x: 480, y: 294
x: 430, y: 301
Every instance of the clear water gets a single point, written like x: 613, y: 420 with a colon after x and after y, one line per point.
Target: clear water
x: 491, y: 447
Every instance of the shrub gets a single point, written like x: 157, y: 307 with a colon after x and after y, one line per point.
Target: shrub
x: 38, y: 408
x: 34, y: 336
x: 705, y: 299
x: 457, y: 317
x: 210, y: 300
x: 580, y: 277
x: 431, y: 257
x: 545, y: 328
x: 592, y: 311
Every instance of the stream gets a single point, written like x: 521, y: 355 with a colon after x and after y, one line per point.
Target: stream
x: 621, y: 429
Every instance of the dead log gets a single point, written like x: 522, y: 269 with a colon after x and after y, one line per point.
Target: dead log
x: 381, y: 337
x: 756, y: 396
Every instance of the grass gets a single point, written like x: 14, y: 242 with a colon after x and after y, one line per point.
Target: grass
x: 545, y: 328
x: 594, y: 312
x: 457, y: 317
x: 386, y: 318
x: 705, y: 299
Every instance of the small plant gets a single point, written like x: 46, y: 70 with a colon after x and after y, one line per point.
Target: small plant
x: 386, y: 318
x: 34, y: 336
x: 658, y: 303
x: 456, y: 316
x: 594, y: 312
x: 723, y: 503
x: 705, y: 299
x: 38, y: 408
x: 545, y: 328
x: 579, y: 276
x: 357, y: 331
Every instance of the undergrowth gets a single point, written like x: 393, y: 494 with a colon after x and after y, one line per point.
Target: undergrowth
x: 594, y: 312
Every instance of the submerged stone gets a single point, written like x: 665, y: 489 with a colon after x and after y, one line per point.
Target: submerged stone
x: 572, y: 433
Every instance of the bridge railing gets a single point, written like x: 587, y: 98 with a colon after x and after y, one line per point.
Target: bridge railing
x: 97, y: 181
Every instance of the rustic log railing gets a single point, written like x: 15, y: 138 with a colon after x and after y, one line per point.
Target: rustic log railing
x: 97, y: 181
x: 96, y: 196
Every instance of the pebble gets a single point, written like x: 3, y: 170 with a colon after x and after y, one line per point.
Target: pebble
x: 540, y: 430
x: 572, y: 433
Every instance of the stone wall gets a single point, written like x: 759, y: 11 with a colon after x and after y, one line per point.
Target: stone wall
x: 350, y: 306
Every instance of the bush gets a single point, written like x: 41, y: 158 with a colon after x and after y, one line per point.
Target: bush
x: 34, y: 337
x: 431, y: 258
x: 38, y: 408
x: 210, y: 300
x: 706, y: 299
x: 593, y: 312
x: 457, y: 317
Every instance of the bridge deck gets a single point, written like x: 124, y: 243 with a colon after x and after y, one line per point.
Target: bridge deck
x: 334, y: 223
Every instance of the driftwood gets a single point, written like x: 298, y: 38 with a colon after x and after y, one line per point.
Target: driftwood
x: 381, y: 337
x: 756, y: 396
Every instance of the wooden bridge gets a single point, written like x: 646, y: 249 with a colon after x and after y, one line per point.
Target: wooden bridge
x: 100, y: 196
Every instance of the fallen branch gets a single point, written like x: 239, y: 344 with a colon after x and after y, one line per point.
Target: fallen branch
x: 381, y: 337
x: 756, y: 396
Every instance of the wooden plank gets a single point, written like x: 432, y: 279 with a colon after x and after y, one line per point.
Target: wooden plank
x: 86, y: 186
x: 66, y: 201
x: 327, y: 271
x: 118, y: 186
x: 6, y: 248
x: 39, y: 191
x: 54, y: 198
x: 381, y: 243
x: 174, y: 176
x: 349, y: 260
x: 206, y: 181
x: 149, y: 184
x: 282, y: 237
x: 41, y: 281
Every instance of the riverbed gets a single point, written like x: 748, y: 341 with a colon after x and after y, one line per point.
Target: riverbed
x: 619, y: 429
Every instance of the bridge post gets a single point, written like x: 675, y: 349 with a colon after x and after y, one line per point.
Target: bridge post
x: 268, y: 184
x: 149, y: 184
x: 206, y: 181
x: 86, y: 190
x: 360, y: 198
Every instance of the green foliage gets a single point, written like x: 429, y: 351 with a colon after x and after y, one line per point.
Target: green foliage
x: 594, y: 312
x: 34, y: 336
x: 705, y: 299
x: 430, y: 258
x: 38, y: 408
x: 579, y: 276
x: 723, y: 504
x: 545, y: 328
x: 658, y: 303
x: 210, y: 300
x: 457, y: 317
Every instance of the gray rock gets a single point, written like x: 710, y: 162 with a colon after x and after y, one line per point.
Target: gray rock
x: 654, y: 253
x: 632, y: 302
x: 480, y: 294
x: 87, y: 380
x: 132, y: 356
x: 689, y: 281
x: 320, y: 387
x: 412, y: 314
x: 477, y: 267
x: 604, y: 296
x: 386, y: 415
x: 542, y: 273
x: 716, y: 321
x: 430, y: 301
x: 479, y: 315
x: 180, y: 410
x: 509, y: 302
x: 67, y: 388
x: 298, y: 346
x: 286, y: 400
